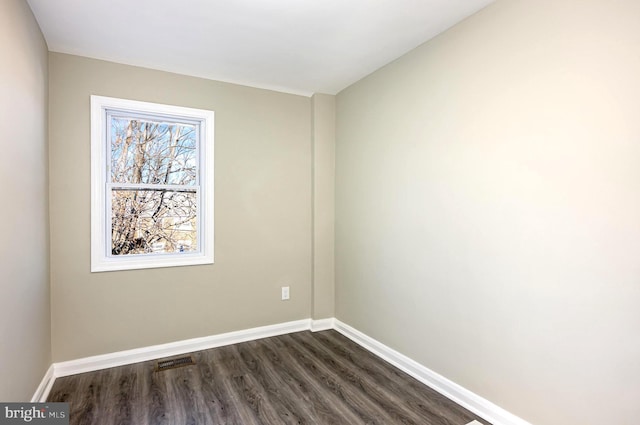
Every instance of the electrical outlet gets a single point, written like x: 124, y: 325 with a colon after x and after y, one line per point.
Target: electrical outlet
x: 285, y: 293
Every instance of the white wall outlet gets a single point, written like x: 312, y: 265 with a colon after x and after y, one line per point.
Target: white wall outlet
x: 285, y: 293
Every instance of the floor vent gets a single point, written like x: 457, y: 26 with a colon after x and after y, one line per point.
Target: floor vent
x: 171, y: 363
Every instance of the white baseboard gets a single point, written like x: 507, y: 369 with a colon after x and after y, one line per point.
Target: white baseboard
x: 473, y: 402
x: 120, y: 358
x: 322, y: 324
x: 45, y: 386
x: 465, y: 398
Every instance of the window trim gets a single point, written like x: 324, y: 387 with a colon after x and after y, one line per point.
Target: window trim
x: 101, y: 242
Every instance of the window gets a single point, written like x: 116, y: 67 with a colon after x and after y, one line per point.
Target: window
x: 152, y: 185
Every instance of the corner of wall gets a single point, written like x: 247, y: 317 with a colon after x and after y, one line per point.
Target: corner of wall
x: 323, y: 208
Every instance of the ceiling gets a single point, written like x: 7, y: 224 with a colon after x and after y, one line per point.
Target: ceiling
x: 295, y: 46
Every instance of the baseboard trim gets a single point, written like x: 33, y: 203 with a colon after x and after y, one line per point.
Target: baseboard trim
x: 322, y: 324
x: 45, y: 386
x: 120, y: 358
x: 467, y: 399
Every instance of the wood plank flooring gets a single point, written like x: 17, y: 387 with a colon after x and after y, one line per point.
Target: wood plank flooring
x: 309, y: 378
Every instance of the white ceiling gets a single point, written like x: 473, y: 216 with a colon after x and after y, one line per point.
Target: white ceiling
x: 295, y: 46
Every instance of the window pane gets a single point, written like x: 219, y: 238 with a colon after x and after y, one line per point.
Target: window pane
x: 153, y: 221
x: 152, y: 152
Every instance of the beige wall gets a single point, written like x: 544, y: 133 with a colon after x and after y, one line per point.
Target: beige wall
x: 25, y: 350
x: 323, y: 109
x: 487, y: 208
x: 262, y: 216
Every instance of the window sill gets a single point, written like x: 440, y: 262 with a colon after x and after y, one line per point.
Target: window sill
x: 136, y: 262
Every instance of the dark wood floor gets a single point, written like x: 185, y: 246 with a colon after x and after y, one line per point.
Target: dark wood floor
x: 301, y: 378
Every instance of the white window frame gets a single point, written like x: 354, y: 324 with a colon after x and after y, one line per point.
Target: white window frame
x: 101, y: 258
